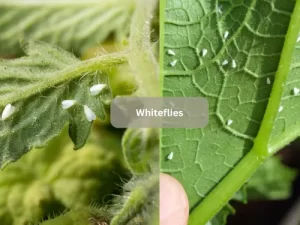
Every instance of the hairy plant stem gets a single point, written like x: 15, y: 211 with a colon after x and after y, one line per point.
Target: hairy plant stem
x: 143, y: 61
x: 98, y: 63
x: 143, y: 197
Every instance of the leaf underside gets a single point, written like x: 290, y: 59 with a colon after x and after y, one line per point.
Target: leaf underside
x: 256, y: 34
x: 73, y: 25
x: 36, y: 85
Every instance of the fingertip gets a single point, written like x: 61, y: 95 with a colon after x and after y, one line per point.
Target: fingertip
x: 174, y: 206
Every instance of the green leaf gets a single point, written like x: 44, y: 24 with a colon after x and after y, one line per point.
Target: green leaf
x: 272, y: 181
x: 221, y: 217
x: 37, y: 84
x: 73, y: 25
x: 214, y: 162
x: 141, y: 149
x: 58, y: 177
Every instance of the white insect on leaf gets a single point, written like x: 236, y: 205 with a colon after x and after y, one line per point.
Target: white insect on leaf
x: 296, y: 91
x: 96, y: 89
x: 65, y: 104
x: 268, y: 81
x: 229, y: 122
x: 225, y: 62
x: 170, y: 156
x: 173, y: 63
x: 233, y: 64
x: 298, y: 39
x: 8, y: 111
x: 226, y: 34
x: 171, y: 52
x: 280, y: 108
x: 90, y: 115
x: 204, y: 52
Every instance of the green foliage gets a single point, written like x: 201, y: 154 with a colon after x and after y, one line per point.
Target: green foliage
x: 249, y: 54
x: 272, y: 181
x: 45, y: 181
x: 73, y: 25
x: 138, y: 204
x: 141, y: 149
x: 221, y: 217
x: 36, y: 85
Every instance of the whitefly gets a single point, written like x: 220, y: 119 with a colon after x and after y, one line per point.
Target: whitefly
x: 90, y: 115
x: 96, y: 89
x: 8, y: 111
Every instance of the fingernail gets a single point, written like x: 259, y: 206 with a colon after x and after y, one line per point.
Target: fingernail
x: 174, y: 207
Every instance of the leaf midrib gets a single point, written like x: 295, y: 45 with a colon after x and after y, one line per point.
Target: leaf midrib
x: 262, y: 147
x: 99, y: 63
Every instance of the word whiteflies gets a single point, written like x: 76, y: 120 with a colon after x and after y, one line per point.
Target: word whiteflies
x: 159, y: 113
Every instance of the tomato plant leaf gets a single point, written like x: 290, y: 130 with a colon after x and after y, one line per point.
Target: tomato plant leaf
x: 72, y: 25
x: 37, y: 84
x: 237, y: 54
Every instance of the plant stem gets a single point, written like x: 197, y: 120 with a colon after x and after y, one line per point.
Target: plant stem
x: 162, y: 7
x: 224, y: 191
x: 71, y: 73
x: 143, y: 61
